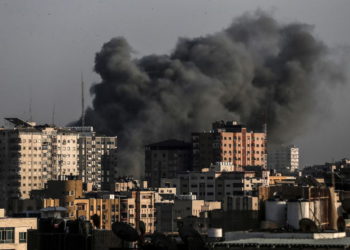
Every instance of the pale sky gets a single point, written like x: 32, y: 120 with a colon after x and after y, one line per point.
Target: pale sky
x: 45, y: 45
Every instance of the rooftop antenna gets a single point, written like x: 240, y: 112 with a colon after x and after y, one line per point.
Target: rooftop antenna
x: 30, y: 109
x: 82, y: 102
x: 53, y: 114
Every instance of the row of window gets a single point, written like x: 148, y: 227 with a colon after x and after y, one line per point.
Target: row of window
x: 53, y: 140
x: 238, y: 151
x: 7, y: 235
x: 239, y: 138
x: 238, y: 159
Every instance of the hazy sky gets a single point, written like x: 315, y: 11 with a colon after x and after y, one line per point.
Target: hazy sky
x: 45, y: 45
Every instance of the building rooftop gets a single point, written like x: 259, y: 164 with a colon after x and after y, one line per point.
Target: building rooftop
x: 170, y: 144
x: 285, y: 240
x: 232, y: 126
x: 286, y: 243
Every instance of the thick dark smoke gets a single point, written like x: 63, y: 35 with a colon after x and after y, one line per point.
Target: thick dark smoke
x: 254, y: 71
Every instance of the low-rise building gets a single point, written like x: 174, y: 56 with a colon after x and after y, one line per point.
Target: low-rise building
x: 213, y: 185
x: 281, y: 179
x: 124, y: 184
x: 185, y: 206
x: 241, y: 203
x: 144, y: 208
x: 13, y: 231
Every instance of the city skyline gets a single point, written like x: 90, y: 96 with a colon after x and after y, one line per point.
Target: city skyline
x: 53, y: 73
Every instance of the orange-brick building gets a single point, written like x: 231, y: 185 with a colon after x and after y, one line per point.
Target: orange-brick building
x: 229, y: 142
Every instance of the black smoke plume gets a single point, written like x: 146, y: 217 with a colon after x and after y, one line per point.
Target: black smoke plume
x: 254, y: 71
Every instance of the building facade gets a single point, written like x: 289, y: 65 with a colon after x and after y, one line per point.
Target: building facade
x: 97, y: 158
x: 284, y: 159
x: 13, y: 231
x: 229, y: 142
x: 241, y: 203
x: 31, y: 154
x: 212, y: 185
x: 165, y: 159
x: 145, y: 209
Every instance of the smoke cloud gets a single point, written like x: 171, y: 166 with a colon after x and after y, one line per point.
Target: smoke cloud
x: 255, y: 70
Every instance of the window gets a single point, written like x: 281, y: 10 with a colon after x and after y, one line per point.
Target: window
x: 7, y: 235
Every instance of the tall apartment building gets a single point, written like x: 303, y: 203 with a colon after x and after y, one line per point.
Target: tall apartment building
x: 165, y: 159
x: 97, y: 158
x: 284, y: 159
x: 31, y: 154
x: 229, y: 142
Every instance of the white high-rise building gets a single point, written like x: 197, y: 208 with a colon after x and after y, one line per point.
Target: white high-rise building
x: 283, y: 158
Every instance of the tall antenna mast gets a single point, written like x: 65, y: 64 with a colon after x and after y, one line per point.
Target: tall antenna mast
x: 30, y: 105
x: 30, y: 109
x: 82, y: 102
x: 53, y: 114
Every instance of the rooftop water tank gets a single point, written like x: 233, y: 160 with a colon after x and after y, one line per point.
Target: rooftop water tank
x: 215, y: 232
x: 297, y: 210
x: 275, y: 211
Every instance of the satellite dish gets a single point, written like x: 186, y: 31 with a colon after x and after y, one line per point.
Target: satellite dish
x: 308, y: 226
x: 125, y: 231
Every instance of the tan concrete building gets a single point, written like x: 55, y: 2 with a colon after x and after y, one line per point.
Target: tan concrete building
x: 139, y: 206
x: 164, y: 194
x: 130, y: 208
x: 229, y: 142
x: 184, y: 207
x: 107, y: 209
x: 13, y: 231
x: 169, y: 212
x: 124, y: 184
x: 281, y: 179
x: 212, y: 185
x: 58, y: 193
x: 145, y: 209
x: 66, y: 192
